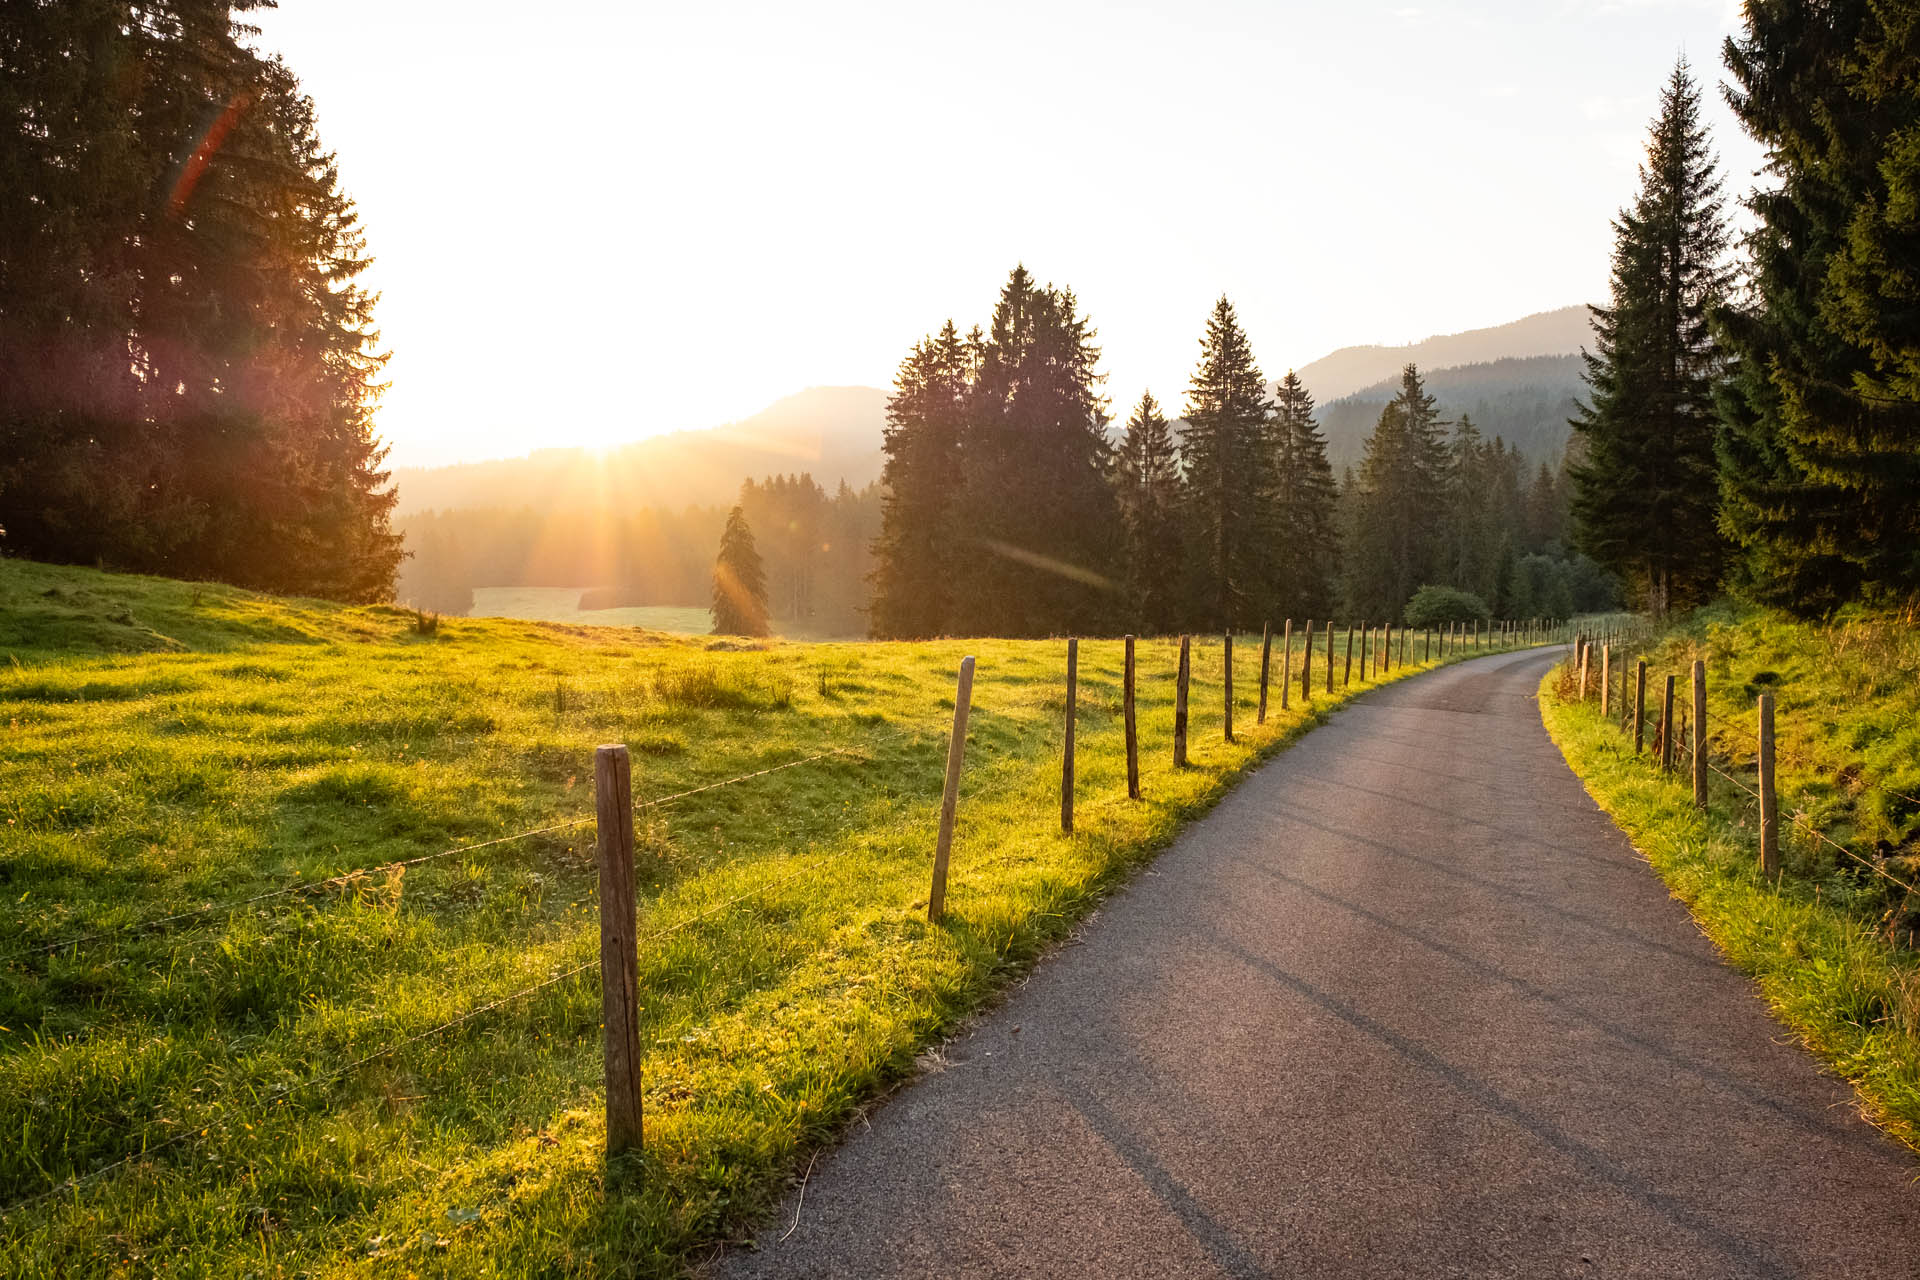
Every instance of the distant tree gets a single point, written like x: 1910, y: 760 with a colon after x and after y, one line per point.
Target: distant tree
x: 1397, y: 510
x: 739, y: 582
x: 1147, y: 478
x: 1227, y: 450
x: 790, y: 512
x: 1819, y: 458
x: 1305, y: 507
x: 1645, y: 500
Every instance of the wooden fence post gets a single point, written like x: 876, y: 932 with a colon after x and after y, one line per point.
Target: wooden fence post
x: 1606, y: 680
x: 1666, y: 730
x: 1180, y: 706
x: 1640, y: 708
x: 1426, y: 644
x: 1700, y: 734
x: 1386, y: 651
x: 1133, y: 733
x: 1329, y: 655
x: 1346, y: 675
x: 1769, y: 806
x: 1266, y: 660
x: 1227, y: 714
x: 1286, y: 663
x: 619, y: 945
x: 1583, y: 672
x: 1403, y: 645
x: 1066, y: 755
x: 950, y: 798
x: 1306, y: 665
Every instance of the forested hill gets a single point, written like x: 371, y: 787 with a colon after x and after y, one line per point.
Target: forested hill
x: 832, y: 433
x: 1354, y: 370
x: 1527, y: 401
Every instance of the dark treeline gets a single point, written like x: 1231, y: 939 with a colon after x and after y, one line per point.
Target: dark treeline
x: 1755, y: 424
x: 187, y: 366
x: 1011, y: 508
x: 814, y: 548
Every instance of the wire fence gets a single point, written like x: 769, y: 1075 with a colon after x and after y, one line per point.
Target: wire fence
x: 1766, y: 756
x: 1458, y: 643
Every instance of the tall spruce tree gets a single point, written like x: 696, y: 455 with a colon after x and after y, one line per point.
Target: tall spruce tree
x: 1820, y: 443
x: 1305, y: 500
x: 1397, y: 505
x: 1645, y: 501
x: 921, y: 480
x: 1147, y: 477
x: 739, y: 582
x: 1037, y: 514
x: 1229, y: 468
x: 188, y: 364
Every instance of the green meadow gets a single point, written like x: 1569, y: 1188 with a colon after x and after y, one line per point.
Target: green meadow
x: 236, y: 1040
x: 1830, y: 943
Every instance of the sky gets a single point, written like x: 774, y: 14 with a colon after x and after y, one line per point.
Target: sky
x: 601, y: 220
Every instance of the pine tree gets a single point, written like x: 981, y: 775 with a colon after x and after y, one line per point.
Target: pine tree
x: 739, y: 582
x: 1227, y: 450
x: 1398, y: 505
x: 921, y: 480
x: 1037, y: 514
x: 1306, y: 550
x: 1819, y: 459
x: 1645, y: 499
x: 188, y: 364
x: 1147, y: 476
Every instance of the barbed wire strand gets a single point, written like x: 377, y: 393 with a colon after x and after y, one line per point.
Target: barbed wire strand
x: 278, y: 1095
x: 202, y: 1131
x: 307, y: 886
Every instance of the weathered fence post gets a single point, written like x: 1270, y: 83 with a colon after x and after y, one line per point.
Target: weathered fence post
x: 1426, y: 644
x: 1583, y: 671
x: 950, y: 798
x: 1700, y: 734
x: 1666, y: 730
x: 1346, y: 675
x: 1386, y: 651
x: 1266, y: 660
x: 1640, y: 708
x: 1306, y: 665
x: 1769, y: 807
x: 1286, y: 663
x: 1066, y: 754
x: 1180, y: 706
x: 1227, y: 715
x: 619, y: 945
x: 1133, y: 733
x: 1403, y: 645
x: 1330, y: 656
x: 1606, y: 680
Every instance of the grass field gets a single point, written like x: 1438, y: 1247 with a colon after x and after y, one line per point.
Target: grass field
x: 1830, y: 943
x: 173, y: 747
x: 562, y: 604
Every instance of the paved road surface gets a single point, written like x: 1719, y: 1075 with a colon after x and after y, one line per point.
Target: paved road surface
x: 1405, y: 1004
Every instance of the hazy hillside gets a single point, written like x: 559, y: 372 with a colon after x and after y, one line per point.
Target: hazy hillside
x: 831, y: 432
x: 1527, y: 401
x: 1353, y: 369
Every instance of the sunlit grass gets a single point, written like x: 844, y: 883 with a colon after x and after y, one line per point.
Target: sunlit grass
x: 1820, y: 941
x: 231, y: 745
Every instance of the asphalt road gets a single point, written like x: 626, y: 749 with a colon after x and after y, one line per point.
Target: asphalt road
x: 1405, y: 1004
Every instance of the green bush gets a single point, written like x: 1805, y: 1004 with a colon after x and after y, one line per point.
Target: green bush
x: 1439, y: 606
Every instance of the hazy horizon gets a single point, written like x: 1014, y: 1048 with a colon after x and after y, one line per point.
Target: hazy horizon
x: 712, y: 209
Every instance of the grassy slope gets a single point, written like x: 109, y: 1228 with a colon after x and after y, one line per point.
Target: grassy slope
x: 1826, y: 943
x: 170, y: 746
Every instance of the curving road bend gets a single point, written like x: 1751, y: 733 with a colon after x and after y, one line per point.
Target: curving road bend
x: 1405, y: 1004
